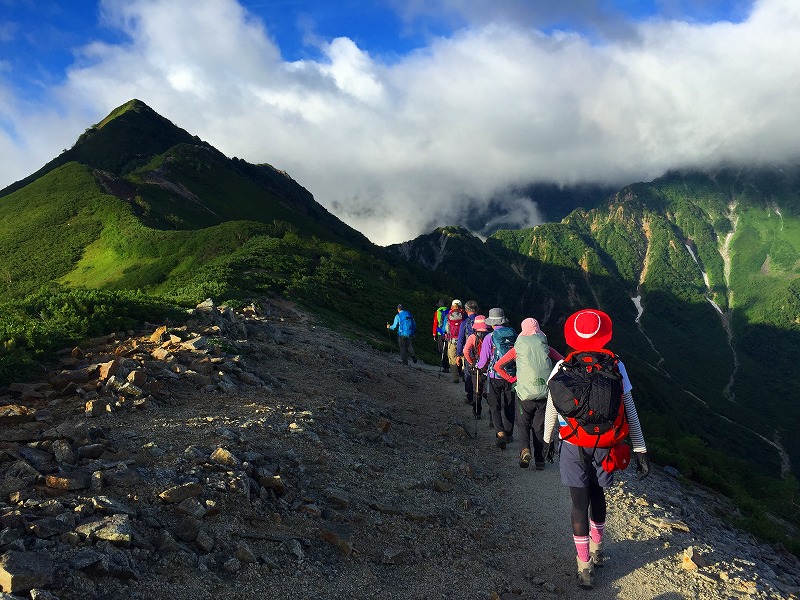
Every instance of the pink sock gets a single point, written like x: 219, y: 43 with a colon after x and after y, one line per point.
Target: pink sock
x: 596, y: 531
x: 582, y: 546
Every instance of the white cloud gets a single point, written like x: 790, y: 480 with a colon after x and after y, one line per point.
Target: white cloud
x: 395, y: 149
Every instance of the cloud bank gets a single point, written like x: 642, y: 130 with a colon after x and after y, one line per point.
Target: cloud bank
x: 397, y: 147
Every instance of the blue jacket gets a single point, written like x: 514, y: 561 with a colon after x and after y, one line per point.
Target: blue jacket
x: 404, y: 324
x: 463, y: 335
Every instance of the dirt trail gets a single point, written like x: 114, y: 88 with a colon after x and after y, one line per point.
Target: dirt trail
x: 462, y: 518
x: 651, y: 524
x: 639, y: 568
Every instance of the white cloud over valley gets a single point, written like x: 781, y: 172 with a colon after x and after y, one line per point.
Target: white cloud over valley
x: 397, y: 146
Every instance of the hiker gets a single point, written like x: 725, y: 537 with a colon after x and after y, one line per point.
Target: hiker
x: 534, y: 360
x: 587, y: 459
x: 500, y: 394
x: 406, y: 329
x: 471, y: 307
x: 454, y: 319
x: 472, y: 351
x: 438, y: 334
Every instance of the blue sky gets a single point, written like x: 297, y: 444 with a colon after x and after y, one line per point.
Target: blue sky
x: 38, y: 37
x: 401, y: 115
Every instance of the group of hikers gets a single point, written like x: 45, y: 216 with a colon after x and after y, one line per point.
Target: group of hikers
x: 582, y: 402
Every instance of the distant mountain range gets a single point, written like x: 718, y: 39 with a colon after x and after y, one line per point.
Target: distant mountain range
x: 700, y: 271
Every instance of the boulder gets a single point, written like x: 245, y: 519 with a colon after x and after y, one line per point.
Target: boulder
x: 73, y: 480
x: 22, y: 571
x: 179, y: 493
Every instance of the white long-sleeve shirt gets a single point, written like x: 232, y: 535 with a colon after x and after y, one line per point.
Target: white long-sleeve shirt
x: 551, y: 416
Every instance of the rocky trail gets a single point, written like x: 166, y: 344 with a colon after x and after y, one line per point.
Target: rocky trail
x: 256, y: 453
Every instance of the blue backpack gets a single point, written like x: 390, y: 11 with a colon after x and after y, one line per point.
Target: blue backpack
x: 503, y: 339
x: 407, y: 326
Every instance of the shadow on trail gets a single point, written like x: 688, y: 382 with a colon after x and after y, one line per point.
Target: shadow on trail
x: 628, y: 557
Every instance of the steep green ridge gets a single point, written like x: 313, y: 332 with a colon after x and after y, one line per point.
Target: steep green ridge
x: 129, y: 136
x: 140, y: 206
x: 173, y: 180
x: 98, y: 215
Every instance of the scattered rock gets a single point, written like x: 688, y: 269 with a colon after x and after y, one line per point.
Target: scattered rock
x: 14, y: 413
x: 225, y: 457
x: 663, y: 523
x: 72, y: 480
x: 338, y: 535
x: 179, y: 493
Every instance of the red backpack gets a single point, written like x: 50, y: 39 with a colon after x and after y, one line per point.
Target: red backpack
x: 479, y: 337
x: 587, y: 391
x: 454, y: 321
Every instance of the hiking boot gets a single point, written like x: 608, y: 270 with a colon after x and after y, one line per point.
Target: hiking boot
x: 524, y: 458
x: 596, y: 553
x: 585, y: 574
x: 501, y: 441
x: 539, y: 462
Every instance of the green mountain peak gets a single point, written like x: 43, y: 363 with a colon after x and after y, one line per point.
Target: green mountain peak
x: 129, y: 137
x: 134, y: 105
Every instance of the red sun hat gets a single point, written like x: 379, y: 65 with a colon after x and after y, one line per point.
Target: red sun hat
x: 588, y: 329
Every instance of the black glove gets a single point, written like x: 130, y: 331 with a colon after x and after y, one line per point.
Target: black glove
x: 551, y: 452
x: 642, y: 464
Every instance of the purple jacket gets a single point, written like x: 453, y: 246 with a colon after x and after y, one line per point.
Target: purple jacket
x: 487, y: 352
x: 487, y: 349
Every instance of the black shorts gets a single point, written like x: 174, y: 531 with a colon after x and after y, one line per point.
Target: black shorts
x: 580, y: 471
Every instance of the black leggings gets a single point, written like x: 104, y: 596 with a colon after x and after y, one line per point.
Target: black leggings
x: 584, y: 499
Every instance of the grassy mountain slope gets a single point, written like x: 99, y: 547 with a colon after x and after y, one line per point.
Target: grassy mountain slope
x: 138, y: 205
x: 118, y: 209
x: 174, y: 180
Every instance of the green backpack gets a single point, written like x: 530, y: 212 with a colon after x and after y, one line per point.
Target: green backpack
x: 533, y: 366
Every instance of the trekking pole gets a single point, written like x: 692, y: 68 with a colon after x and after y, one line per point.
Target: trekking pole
x: 476, y: 397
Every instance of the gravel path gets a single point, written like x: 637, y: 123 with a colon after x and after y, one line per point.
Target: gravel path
x: 435, y: 511
x: 543, y: 554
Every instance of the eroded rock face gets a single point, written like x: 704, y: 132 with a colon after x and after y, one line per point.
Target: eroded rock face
x: 239, y: 453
